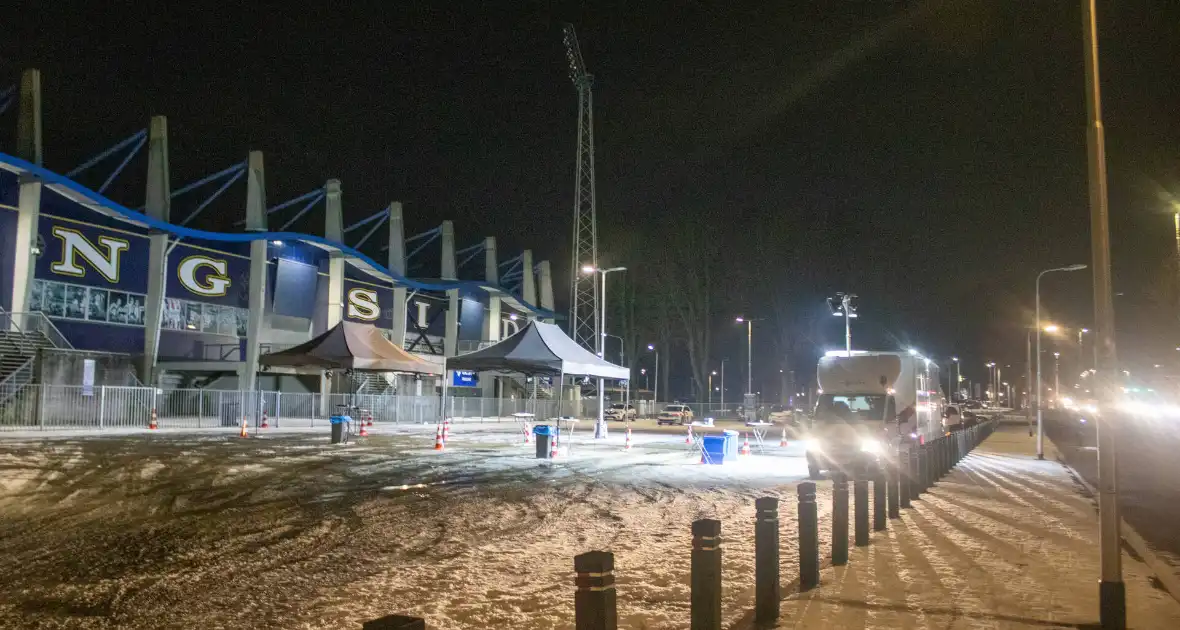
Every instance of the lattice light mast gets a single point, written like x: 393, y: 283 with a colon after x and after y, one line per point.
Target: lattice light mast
x: 584, y: 325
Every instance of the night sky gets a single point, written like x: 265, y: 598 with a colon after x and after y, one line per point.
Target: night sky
x: 927, y: 155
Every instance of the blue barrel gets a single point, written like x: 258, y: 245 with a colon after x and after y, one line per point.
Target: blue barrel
x: 715, y: 451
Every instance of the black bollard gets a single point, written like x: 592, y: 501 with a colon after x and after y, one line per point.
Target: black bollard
x: 860, y: 509
x: 879, y: 501
x: 395, y: 622
x: 594, y: 601
x: 940, y: 446
x: 808, y: 537
x: 767, y: 590
x: 839, y: 518
x: 706, y: 575
x: 905, y: 465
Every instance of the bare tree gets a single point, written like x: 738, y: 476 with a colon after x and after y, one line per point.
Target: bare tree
x: 684, y: 264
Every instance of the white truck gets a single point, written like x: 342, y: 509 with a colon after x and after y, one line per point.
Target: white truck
x: 870, y: 403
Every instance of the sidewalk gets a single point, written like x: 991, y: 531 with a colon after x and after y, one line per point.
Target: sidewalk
x: 1003, y: 541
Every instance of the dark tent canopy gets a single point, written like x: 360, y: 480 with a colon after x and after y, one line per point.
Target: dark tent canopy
x: 538, y: 348
x: 349, y: 346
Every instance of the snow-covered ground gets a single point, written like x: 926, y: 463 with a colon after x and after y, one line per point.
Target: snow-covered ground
x: 1005, y: 541
x: 207, y: 530
x: 185, y: 530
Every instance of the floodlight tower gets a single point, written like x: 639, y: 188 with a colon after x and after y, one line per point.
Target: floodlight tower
x: 584, y: 325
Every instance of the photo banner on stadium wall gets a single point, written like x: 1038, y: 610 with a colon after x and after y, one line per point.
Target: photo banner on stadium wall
x: 117, y: 260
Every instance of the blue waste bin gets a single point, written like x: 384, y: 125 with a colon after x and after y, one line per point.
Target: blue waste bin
x: 338, y: 423
x: 545, y: 434
x: 731, y: 444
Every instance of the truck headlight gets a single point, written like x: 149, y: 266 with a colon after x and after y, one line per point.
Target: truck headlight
x: 871, y: 446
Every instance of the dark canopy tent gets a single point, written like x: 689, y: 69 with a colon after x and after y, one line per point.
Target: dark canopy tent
x: 349, y: 346
x: 538, y: 349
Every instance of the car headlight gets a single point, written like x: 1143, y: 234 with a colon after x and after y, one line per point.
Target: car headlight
x: 871, y: 446
x: 811, y: 445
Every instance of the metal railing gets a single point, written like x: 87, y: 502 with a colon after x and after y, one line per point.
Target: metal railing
x: 28, y: 323
x: 17, y: 380
x: 42, y: 406
x: 233, y: 351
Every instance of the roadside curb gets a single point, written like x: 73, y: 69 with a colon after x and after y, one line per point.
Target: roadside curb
x: 1161, y: 571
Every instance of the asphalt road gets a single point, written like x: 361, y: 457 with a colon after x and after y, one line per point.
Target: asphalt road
x: 1149, y: 472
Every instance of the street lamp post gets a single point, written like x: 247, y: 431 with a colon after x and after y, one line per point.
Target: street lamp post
x: 722, y: 397
x: 711, y: 375
x: 749, y: 400
x: 600, y: 426
x: 1056, y: 380
x: 655, y: 394
x: 1112, y: 602
x: 1040, y: 405
x: 954, y: 388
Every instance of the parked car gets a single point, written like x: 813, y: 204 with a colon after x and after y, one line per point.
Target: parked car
x: 621, y: 412
x: 675, y: 414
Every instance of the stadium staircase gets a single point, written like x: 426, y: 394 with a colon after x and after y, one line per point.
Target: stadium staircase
x: 22, y: 336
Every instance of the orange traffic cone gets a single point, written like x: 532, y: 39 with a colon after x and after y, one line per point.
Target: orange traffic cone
x: 370, y: 418
x: 245, y: 432
x: 745, y: 444
x: 152, y: 424
x: 627, y: 442
x: 783, y: 442
x: 688, y: 438
x: 446, y: 429
x: 438, y: 438
x: 527, y: 431
x: 363, y: 432
x: 265, y: 424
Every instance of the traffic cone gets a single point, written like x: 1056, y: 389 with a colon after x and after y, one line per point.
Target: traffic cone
x: 783, y: 442
x: 688, y: 438
x: 245, y: 431
x: 370, y: 418
x: 527, y: 431
x: 153, y: 425
x: 745, y: 444
x: 438, y: 438
x: 627, y: 442
x: 553, y: 448
x: 446, y: 429
x: 265, y: 424
x: 363, y: 432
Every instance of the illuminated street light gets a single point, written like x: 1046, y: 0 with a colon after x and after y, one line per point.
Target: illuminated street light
x: 1037, y: 389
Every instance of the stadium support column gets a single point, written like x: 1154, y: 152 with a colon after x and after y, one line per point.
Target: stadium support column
x: 449, y: 272
x: 545, y: 277
x: 491, y: 322
x: 255, y: 222
x: 397, y: 264
x: 333, y: 231
x: 28, y: 148
x: 528, y: 279
x: 158, y: 205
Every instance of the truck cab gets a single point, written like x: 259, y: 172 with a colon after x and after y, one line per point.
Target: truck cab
x: 870, y: 404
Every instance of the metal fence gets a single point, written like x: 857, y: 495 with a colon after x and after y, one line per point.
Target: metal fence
x: 76, y: 407
x: 41, y: 406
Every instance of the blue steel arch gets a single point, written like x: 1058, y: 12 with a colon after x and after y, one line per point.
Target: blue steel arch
x: 100, y: 203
